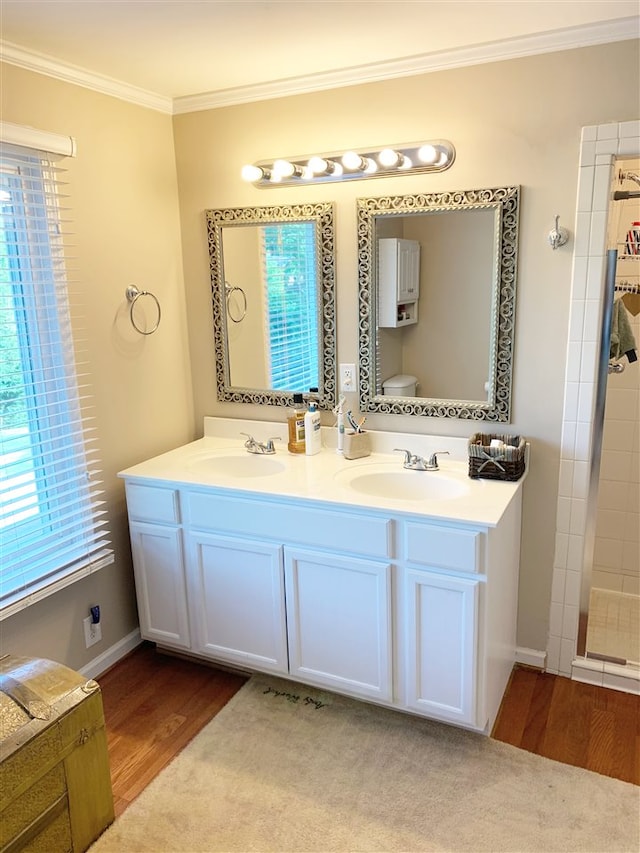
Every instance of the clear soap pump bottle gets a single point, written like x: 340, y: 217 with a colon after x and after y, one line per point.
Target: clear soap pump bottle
x: 295, y: 423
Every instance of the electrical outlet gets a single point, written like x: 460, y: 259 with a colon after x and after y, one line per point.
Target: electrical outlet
x: 347, y: 377
x: 92, y: 631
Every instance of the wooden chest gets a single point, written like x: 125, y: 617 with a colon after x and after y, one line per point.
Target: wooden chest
x: 55, y: 787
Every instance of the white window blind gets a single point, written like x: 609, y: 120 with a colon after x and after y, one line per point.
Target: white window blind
x: 52, y: 526
x: 290, y: 278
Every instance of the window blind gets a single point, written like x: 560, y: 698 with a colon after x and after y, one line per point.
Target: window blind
x: 52, y: 521
x: 290, y: 275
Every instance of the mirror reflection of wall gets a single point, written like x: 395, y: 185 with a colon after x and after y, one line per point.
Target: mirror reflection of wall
x: 245, y: 328
x: 448, y: 349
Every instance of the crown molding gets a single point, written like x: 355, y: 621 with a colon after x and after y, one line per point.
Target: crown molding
x: 444, y: 60
x: 569, y: 38
x: 51, y: 67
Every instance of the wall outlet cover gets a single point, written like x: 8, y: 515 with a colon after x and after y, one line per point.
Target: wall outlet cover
x: 92, y: 631
x: 347, y: 377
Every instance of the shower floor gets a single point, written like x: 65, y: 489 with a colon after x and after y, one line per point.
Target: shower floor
x: 614, y: 625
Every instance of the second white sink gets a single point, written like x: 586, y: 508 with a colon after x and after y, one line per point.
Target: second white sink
x: 402, y: 484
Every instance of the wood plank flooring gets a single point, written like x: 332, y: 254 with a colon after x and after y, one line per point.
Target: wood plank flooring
x: 155, y: 704
x: 571, y: 722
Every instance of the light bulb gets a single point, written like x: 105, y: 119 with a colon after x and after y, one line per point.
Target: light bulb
x: 428, y: 154
x: 284, y: 168
x: 405, y: 162
x: 318, y: 165
x: 370, y: 166
x: 253, y: 173
x: 388, y: 158
x: 352, y: 161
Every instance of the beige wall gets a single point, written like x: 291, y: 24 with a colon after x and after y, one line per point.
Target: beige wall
x: 124, y: 202
x: 515, y: 122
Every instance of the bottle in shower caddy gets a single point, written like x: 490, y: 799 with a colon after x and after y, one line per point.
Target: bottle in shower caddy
x: 295, y: 423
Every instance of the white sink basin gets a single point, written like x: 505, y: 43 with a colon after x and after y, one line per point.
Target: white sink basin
x: 236, y: 465
x: 402, y: 484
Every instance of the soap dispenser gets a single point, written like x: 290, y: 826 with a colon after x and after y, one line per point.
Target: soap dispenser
x: 295, y: 423
x: 312, y: 431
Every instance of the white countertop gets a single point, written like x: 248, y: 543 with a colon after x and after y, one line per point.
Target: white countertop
x: 325, y: 477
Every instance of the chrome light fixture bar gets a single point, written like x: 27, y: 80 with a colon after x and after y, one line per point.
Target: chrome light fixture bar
x: 434, y: 156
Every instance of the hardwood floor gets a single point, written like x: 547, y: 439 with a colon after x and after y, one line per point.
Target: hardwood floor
x: 575, y: 723
x: 155, y: 704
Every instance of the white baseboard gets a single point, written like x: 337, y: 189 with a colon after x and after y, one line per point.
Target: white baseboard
x: 531, y: 657
x: 112, y: 655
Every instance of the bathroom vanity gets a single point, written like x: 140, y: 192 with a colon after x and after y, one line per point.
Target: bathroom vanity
x: 395, y: 586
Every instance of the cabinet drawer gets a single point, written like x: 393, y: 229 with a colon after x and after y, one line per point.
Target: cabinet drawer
x: 151, y: 503
x: 338, y: 531
x: 446, y: 547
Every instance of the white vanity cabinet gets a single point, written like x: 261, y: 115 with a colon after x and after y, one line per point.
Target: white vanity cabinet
x: 156, y: 544
x: 408, y: 610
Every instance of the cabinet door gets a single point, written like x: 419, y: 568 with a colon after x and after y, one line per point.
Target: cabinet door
x: 441, y: 645
x: 339, y: 622
x: 160, y: 583
x: 236, y: 595
x: 408, y: 270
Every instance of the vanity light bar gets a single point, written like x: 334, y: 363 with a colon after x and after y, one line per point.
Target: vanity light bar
x: 434, y: 156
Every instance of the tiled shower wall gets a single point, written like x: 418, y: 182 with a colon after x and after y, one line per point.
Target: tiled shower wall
x: 600, y: 146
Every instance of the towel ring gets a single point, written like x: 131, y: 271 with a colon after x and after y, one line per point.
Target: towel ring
x: 229, y: 289
x: 133, y: 294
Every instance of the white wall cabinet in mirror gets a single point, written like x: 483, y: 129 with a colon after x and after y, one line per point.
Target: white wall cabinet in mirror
x: 273, y: 293
x: 398, y: 282
x: 458, y: 342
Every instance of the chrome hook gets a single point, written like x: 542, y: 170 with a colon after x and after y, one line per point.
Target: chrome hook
x: 558, y: 236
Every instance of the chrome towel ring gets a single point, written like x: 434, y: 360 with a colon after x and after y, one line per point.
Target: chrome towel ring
x: 241, y: 314
x: 133, y: 294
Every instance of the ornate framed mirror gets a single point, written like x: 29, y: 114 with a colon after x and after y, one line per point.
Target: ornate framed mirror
x: 273, y: 294
x: 437, y: 290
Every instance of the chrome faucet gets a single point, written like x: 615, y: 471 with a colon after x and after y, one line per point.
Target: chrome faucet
x: 254, y: 446
x: 413, y: 462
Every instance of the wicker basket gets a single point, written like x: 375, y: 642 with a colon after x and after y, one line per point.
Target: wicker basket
x: 496, y: 463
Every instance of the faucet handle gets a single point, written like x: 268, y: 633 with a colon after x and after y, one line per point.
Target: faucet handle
x: 250, y: 442
x: 433, y: 459
x: 269, y: 445
x: 407, y: 454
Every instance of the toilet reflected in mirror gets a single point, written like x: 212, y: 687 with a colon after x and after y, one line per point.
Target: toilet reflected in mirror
x: 400, y: 385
